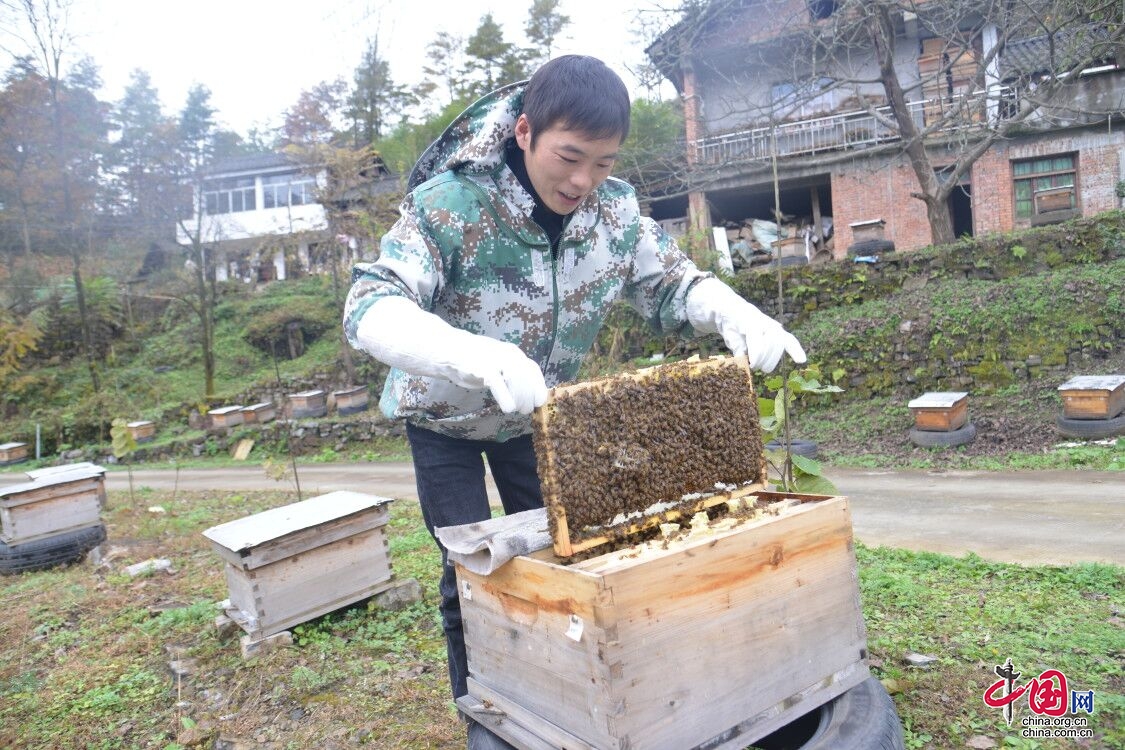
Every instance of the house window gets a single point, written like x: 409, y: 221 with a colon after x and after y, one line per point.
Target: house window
x: 291, y: 189
x: 228, y: 196
x: 813, y: 97
x: 1045, y: 188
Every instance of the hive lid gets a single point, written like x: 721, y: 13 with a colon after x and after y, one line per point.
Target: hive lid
x: 633, y: 445
x: 307, y: 394
x: 1093, y: 383
x: 52, y: 479
x: 255, y: 530
x: 226, y: 409
x: 937, y: 400
x: 9, y: 446
x: 64, y: 469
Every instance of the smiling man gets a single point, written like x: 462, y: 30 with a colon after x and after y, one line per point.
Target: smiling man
x: 512, y: 245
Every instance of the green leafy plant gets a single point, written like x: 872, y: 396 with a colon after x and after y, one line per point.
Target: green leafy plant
x: 123, y: 446
x: 795, y: 473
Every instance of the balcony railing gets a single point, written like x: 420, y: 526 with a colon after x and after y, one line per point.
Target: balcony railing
x: 847, y: 130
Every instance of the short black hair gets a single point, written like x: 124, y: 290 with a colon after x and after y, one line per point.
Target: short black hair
x: 578, y: 92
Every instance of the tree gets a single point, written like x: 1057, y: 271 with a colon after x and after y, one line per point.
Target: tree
x: 375, y: 96
x: 195, y: 153
x: 71, y: 153
x: 544, y: 24
x: 140, y: 157
x: 445, y: 53
x: 312, y: 120
x: 487, y: 51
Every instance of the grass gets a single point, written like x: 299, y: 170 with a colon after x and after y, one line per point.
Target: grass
x: 87, y: 648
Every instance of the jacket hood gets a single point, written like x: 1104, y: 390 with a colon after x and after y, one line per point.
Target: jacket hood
x: 475, y: 138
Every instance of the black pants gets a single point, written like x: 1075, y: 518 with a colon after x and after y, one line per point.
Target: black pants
x: 451, y: 490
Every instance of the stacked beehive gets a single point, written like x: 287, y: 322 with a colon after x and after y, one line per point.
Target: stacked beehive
x: 682, y: 605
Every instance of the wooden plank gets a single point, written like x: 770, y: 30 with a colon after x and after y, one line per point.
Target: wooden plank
x: 50, y: 505
x: 512, y: 722
x: 313, y: 583
x: 755, y: 623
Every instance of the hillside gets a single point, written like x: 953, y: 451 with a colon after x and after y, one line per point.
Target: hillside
x: 1004, y: 318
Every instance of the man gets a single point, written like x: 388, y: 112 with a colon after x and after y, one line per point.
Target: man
x: 512, y: 244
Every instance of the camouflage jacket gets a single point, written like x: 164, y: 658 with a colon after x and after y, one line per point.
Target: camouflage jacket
x: 467, y: 249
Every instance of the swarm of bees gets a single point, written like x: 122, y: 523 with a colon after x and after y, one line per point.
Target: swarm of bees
x: 621, y: 445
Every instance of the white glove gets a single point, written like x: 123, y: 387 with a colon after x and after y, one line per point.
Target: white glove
x: 398, y: 332
x: 713, y: 307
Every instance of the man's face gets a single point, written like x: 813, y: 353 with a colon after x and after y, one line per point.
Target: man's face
x: 566, y: 165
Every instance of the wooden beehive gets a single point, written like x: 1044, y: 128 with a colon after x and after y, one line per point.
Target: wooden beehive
x: 621, y: 445
x: 940, y: 411
x: 308, y: 404
x: 143, y: 431
x: 287, y: 565
x: 51, y: 504
x: 1093, y: 396
x: 259, y: 413
x: 351, y: 400
x: 226, y: 416
x: 711, y: 641
x: 648, y: 636
x: 12, y: 453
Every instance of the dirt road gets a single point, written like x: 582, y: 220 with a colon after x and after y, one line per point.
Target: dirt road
x: 1041, y: 517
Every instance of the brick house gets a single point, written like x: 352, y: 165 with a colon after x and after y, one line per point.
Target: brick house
x: 766, y: 78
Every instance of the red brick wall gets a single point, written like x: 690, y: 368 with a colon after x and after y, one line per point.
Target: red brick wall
x: 862, y: 190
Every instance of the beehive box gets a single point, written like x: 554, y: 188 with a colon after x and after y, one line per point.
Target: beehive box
x: 226, y: 416
x: 51, y: 504
x: 351, y: 400
x: 287, y: 565
x: 712, y: 637
x: 308, y: 404
x: 143, y: 431
x: 12, y: 453
x: 1093, y: 396
x: 259, y: 413
x: 940, y: 411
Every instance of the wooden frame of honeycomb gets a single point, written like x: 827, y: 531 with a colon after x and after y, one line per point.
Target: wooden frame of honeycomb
x: 621, y: 454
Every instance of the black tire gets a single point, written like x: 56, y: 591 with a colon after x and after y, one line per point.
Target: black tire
x: 871, y: 247
x: 937, y: 439
x: 40, y: 554
x: 1091, y: 428
x: 863, y: 718
x: 805, y: 448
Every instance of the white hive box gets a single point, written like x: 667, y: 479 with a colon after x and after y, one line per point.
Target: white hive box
x: 52, y: 503
x: 287, y: 565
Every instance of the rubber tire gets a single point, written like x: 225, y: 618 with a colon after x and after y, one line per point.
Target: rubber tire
x: 863, y: 718
x: 1091, y: 428
x: 937, y: 439
x: 871, y: 247
x: 805, y: 448
x: 40, y: 554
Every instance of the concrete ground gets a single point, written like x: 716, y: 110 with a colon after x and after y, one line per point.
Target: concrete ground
x: 1033, y: 517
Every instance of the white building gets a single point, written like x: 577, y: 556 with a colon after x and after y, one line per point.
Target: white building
x: 259, y: 214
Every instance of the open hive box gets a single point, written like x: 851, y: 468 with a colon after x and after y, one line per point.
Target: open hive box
x: 682, y: 605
